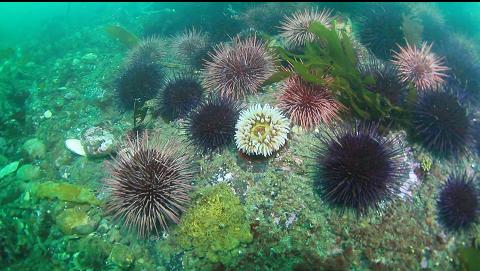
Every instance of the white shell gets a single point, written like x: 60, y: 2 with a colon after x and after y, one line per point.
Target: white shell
x: 75, y: 145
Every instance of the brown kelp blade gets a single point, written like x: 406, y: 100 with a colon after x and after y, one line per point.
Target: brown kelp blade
x: 121, y: 34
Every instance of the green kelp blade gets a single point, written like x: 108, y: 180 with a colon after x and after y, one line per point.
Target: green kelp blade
x: 470, y: 259
x: 277, y: 77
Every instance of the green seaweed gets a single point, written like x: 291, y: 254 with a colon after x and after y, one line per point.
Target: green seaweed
x: 215, y: 226
x: 64, y: 191
x: 333, y: 55
x: 121, y: 34
x: 469, y: 258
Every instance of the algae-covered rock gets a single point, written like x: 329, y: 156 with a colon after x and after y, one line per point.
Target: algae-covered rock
x: 215, y: 226
x: 90, y: 58
x: 28, y: 172
x: 8, y: 169
x: 98, y: 141
x: 65, y: 191
x: 76, y: 221
x: 121, y: 256
x: 92, y: 251
x: 34, y: 148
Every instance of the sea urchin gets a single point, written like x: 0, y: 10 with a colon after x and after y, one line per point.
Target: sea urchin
x: 211, y: 126
x: 380, y: 28
x: 181, y: 94
x: 261, y: 130
x: 240, y: 68
x: 139, y: 82
x: 192, y: 47
x: 308, y: 104
x: 441, y: 124
x: 356, y: 168
x: 420, y: 67
x: 295, y: 29
x: 149, y: 184
x: 458, y: 203
x: 149, y: 50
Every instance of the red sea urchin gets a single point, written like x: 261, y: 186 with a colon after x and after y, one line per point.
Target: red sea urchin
x: 308, y: 104
x: 295, y: 29
x: 239, y: 69
x: 420, y: 67
x: 149, y: 184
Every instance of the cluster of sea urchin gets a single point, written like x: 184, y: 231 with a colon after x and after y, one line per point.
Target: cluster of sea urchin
x: 356, y: 168
x: 458, y: 203
x: 420, y: 67
x: 308, y: 104
x: 211, y: 126
x: 149, y: 184
x: 192, y: 47
x: 441, y: 124
x: 261, y: 130
x: 181, y: 93
x: 240, y: 68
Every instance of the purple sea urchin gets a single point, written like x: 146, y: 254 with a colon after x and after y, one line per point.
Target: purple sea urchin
x: 380, y: 28
x: 295, y: 28
x: 138, y: 83
x: 192, y: 47
x: 441, y: 124
x: 308, y: 104
x: 211, y: 126
x: 261, y: 130
x: 181, y: 94
x: 149, y: 184
x: 239, y: 69
x: 458, y: 203
x: 358, y: 169
x: 420, y: 67
x: 381, y: 77
x: 149, y: 50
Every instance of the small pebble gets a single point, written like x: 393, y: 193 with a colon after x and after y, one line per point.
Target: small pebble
x: 47, y: 114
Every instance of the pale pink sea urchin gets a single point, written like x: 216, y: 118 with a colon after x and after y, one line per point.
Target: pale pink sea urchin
x: 295, y: 28
x: 420, y: 67
x: 240, y: 68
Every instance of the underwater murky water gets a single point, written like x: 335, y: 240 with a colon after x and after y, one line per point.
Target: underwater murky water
x: 239, y: 136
